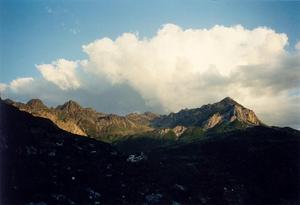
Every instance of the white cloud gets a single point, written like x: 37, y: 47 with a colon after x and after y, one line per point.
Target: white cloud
x: 20, y: 83
x: 184, y: 68
x: 62, y: 73
x: 3, y: 87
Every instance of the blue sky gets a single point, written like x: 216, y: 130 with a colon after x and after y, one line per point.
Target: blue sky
x: 35, y: 32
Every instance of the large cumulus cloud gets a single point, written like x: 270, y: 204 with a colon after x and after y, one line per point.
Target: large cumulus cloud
x: 61, y: 72
x: 179, y: 68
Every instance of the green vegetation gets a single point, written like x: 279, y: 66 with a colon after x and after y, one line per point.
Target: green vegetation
x: 228, y: 126
x: 192, y: 134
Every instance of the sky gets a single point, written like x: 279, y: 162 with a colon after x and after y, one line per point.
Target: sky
x: 161, y: 56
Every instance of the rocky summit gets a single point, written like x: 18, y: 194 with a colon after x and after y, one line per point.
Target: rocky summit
x: 223, y: 113
x: 36, y: 104
x: 218, y: 117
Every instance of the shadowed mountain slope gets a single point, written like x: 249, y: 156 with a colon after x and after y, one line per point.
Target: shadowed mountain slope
x: 41, y: 163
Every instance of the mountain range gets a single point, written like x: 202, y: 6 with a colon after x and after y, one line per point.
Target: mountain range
x: 221, y: 116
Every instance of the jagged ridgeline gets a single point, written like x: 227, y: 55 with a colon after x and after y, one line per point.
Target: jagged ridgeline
x: 222, y: 116
x: 86, y: 121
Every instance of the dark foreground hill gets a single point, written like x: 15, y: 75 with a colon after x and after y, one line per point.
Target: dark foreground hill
x: 41, y: 164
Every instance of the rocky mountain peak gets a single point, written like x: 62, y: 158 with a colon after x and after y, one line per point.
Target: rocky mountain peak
x: 151, y: 115
x: 228, y: 101
x: 228, y: 111
x: 36, y: 103
x: 224, y: 113
x: 70, y: 106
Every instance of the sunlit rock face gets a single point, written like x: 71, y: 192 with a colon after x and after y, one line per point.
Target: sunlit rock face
x: 37, y: 108
x: 245, y: 115
x: 213, y: 121
x: 209, y: 116
x: 179, y: 130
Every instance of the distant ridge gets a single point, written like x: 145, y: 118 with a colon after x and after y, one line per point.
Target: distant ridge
x: 224, y: 115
